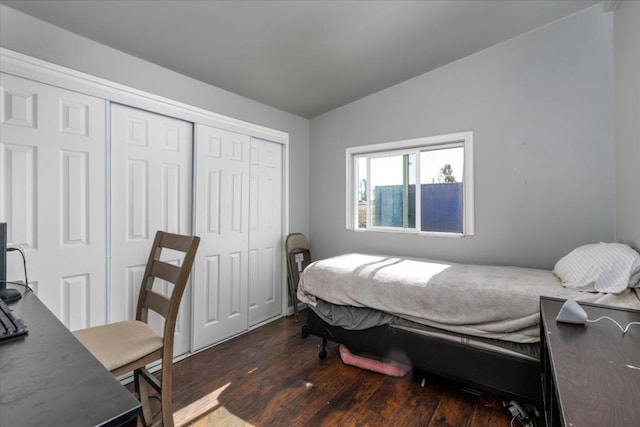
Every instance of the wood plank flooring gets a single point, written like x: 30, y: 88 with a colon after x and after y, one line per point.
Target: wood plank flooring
x: 272, y: 377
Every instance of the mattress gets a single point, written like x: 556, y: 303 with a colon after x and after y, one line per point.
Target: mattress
x: 494, y: 302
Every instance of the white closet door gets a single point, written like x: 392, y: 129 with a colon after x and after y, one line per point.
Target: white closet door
x: 52, y: 195
x: 151, y: 187
x: 221, y: 207
x: 265, y: 231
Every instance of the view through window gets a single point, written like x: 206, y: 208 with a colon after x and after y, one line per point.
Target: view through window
x: 423, y: 185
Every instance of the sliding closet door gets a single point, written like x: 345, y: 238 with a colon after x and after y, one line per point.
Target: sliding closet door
x: 151, y: 187
x: 265, y: 231
x: 221, y: 212
x: 52, y: 195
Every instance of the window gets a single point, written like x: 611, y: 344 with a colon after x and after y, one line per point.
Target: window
x: 422, y: 185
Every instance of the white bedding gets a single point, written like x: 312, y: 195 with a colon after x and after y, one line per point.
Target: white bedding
x: 485, y: 301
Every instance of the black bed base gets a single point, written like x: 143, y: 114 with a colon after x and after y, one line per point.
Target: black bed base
x: 505, y: 376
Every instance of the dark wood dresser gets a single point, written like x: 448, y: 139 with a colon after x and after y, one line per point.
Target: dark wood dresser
x: 590, y: 373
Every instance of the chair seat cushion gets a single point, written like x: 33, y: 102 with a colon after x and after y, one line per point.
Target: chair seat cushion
x: 118, y: 344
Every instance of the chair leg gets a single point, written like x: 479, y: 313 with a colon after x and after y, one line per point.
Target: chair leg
x: 142, y: 388
x: 165, y: 395
x: 163, y: 388
x: 294, y: 298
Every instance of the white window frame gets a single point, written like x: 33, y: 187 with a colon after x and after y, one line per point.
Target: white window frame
x: 409, y: 146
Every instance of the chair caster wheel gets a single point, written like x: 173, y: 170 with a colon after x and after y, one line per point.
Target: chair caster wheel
x: 323, y: 354
x: 305, y: 332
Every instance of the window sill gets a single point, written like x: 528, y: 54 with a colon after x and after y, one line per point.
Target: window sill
x: 414, y: 232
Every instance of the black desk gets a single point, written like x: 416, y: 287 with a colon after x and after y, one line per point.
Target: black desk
x: 590, y: 373
x: 48, y: 378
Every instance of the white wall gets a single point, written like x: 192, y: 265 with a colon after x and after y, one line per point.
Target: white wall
x: 627, y: 121
x: 541, y: 109
x: 22, y: 33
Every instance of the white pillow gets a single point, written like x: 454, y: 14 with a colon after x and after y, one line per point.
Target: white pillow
x: 600, y: 267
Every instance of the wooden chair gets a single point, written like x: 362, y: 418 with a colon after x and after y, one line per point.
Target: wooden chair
x: 128, y: 346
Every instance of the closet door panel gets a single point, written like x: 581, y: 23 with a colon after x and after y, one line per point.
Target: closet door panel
x: 265, y: 231
x: 52, y: 195
x: 151, y: 187
x: 221, y: 208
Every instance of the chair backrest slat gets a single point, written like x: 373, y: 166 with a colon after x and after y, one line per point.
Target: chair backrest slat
x: 157, y: 302
x: 176, y: 242
x: 177, y: 275
x: 165, y: 271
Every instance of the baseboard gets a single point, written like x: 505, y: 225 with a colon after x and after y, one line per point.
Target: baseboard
x: 301, y: 306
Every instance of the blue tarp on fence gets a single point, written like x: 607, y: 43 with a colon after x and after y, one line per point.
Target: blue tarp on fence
x: 388, y: 206
x: 441, y: 207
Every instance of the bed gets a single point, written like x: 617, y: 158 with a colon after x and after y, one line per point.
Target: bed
x: 475, y: 325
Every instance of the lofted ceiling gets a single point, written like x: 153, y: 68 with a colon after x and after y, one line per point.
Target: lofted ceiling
x: 304, y: 57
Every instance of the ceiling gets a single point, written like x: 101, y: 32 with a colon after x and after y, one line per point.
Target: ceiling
x: 304, y: 57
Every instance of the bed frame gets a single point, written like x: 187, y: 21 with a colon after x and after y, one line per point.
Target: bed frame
x: 505, y: 376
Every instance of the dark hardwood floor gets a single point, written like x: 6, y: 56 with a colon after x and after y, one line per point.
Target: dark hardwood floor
x: 272, y: 377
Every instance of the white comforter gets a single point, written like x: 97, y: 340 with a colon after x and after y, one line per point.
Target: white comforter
x: 486, y: 301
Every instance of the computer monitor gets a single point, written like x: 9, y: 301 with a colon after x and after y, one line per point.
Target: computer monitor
x: 7, y: 295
